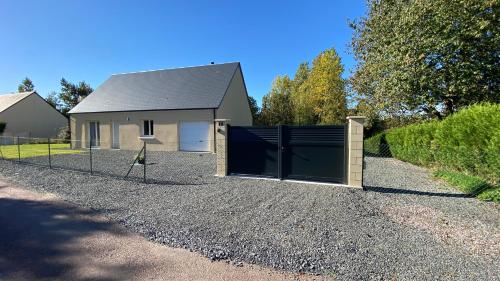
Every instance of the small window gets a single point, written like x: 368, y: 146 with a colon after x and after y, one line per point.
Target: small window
x: 148, y: 128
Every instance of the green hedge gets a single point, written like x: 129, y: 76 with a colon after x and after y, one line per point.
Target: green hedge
x: 467, y: 141
x: 413, y: 143
x: 375, y: 144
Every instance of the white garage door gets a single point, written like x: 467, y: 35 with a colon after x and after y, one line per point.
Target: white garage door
x: 194, y: 136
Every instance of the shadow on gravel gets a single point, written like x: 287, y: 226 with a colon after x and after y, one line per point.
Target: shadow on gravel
x: 160, y: 182
x: 139, y: 179
x: 414, y: 192
x: 148, y: 180
x: 378, y: 155
x: 37, y: 240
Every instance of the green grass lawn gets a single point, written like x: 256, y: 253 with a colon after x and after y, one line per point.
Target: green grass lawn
x: 34, y: 150
x: 471, y: 185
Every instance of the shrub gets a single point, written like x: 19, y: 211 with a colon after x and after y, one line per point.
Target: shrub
x: 493, y: 155
x: 64, y: 133
x: 468, y: 140
x: 2, y: 127
x: 413, y: 143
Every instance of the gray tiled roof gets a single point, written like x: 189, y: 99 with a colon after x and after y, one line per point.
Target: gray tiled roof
x: 179, y: 88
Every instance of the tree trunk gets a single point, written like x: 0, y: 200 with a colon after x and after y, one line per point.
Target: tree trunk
x: 448, y: 106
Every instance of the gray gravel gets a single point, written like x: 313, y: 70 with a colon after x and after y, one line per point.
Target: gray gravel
x: 336, y: 231
x: 185, y: 168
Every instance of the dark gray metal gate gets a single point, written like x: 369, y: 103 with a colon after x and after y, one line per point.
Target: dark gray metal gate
x: 253, y: 151
x: 288, y: 152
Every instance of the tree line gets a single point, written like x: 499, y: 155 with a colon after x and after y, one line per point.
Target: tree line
x: 416, y: 60
x: 315, y: 95
x: 68, y: 97
x: 427, y: 59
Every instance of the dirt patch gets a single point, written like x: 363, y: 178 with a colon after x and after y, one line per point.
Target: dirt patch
x: 476, y: 238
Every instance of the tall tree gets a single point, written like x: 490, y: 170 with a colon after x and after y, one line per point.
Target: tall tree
x: 71, y: 94
x: 26, y: 86
x: 277, y: 104
x: 325, y: 89
x: 302, y: 108
x: 254, y: 109
x: 301, y: 74
x: 52, y: 99
x: 427, y: 56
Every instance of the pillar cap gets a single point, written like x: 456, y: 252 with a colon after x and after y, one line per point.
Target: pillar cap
x: 355, y: 117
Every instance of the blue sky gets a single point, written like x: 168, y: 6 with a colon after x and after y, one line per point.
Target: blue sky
x: 90, y: 40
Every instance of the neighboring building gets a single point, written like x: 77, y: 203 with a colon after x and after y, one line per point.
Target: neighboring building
x: 29, y: 115
x: 172, y: 109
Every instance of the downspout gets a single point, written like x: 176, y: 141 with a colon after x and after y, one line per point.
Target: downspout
x: 215, y: 133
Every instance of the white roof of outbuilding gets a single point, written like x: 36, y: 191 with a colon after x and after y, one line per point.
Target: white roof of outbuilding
x: 8, y: 100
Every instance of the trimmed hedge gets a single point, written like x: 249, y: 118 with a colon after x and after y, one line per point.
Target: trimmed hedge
x: 467, y: 141
x: 375, y: 145
x: 414, y: 143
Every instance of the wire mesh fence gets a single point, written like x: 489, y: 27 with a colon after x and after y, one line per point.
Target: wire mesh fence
x: 379, y: 150
x: 98, y: 158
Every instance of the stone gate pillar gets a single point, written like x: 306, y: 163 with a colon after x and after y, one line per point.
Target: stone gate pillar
x: 221, y: 127
x: 355, y: 150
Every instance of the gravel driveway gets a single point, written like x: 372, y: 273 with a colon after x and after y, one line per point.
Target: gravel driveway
x: 406, y: 226
x: 46, y: 239
x: 164, y: 168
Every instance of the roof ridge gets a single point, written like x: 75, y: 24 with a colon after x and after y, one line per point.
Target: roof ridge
x: 175, y: 68
x: 16, y: 93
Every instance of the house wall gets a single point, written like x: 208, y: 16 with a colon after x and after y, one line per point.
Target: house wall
x: 166, y: 128
x: 33, y: 117
x: 234, y: 105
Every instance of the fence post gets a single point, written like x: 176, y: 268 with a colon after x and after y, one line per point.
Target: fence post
x: 355, y: 150
x: 144, y: 165
x: 90, y: 155
x: 222, y: 146
x: 50, y: 160
x: 18, y: 151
